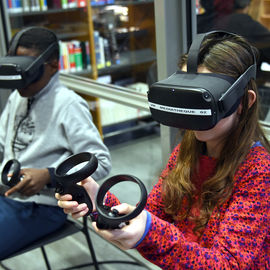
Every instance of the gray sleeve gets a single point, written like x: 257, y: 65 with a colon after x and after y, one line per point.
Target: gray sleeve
x: 3, y: 128
x: 83, y: 136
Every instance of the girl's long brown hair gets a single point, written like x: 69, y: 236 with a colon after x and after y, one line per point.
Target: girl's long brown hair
x: 229, y: 55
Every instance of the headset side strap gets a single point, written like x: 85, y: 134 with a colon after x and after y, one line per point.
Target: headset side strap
x: 236, y: 91
x: 42, y: 57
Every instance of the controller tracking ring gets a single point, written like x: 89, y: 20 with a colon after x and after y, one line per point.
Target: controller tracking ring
x: 108, y: 219
x: 15, y: 178
x: 71, y: 162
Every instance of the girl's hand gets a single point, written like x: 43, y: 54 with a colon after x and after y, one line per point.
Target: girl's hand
x: 126, y: 237
x: 73, y: 207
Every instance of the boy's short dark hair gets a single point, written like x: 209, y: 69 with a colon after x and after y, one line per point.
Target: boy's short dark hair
x: 39, y: 38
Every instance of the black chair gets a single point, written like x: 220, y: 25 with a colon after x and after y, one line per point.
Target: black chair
x: 70, y: 227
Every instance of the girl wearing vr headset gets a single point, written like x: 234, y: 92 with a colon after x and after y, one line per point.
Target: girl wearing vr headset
x: 210, y: 207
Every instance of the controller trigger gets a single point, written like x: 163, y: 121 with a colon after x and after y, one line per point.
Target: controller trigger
x: 78, y: 197
x: 59, y: 188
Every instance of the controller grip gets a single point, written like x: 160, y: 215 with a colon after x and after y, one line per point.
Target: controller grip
x: 79, y: 194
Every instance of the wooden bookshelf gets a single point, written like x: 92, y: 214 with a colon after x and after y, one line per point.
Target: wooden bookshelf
x: 254, y: 9
x: 262, y: 10
x: 135, y: 37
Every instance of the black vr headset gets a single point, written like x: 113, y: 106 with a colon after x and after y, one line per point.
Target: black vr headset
x: 197, y: 101
x: 18, y: 72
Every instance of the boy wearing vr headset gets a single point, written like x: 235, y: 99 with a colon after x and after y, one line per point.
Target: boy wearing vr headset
x: 210, y: 208
x: 42, y: 124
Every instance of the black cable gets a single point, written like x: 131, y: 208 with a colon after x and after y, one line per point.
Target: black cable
x: 29, y: 104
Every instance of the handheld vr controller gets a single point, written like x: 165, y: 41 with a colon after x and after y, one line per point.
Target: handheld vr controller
x: 110, y: 219
x: 15, y: 165
x: 106, y: 217
x: 67, y: 183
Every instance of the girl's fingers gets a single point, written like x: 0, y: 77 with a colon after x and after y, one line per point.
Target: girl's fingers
x: 80, y: 214
x: 75, y: 209
x: 67, y: 204
x: 66, y: 197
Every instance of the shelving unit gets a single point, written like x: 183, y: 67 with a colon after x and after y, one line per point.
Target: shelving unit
x: 130, y: 35
x: 263, y: 7
x: 128, y: 59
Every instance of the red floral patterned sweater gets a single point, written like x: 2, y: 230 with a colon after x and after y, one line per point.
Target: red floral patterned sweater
x: 236, y: 236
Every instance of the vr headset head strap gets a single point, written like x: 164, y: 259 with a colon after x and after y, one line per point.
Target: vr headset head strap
x: 194, y: 50
x: 230, y: 96
x: 15, y: 41
x: 193, y: 53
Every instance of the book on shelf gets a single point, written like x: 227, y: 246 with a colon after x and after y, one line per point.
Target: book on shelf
x: 101, y: 2
x: 26, y: 5
x: 64, y: 59
x: 14, y: 6
x: 102, y: 50
x: 86, y: 60
x: 84, y: 57
x: 99, y: 50
x: 88, y: 55
x: 74, y: 56
x: 98, y: 2
x: 55, y: 4
x: 111, y: 35
x: 78, y: 55
x: 107, y: 52
x: 9, y: 5
x: 64, y: 3
x: 72, y: 3
x: 71, y: 57
x: 61, y: 58
x: 81, y: 3
x: 34, y: 5
x: 43, y: 5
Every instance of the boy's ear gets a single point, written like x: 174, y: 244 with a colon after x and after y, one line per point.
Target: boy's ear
x: 52, y: 66
x: 54, y: 63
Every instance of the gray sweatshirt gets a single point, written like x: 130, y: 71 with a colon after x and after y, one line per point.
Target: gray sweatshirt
x: 55, y: 125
